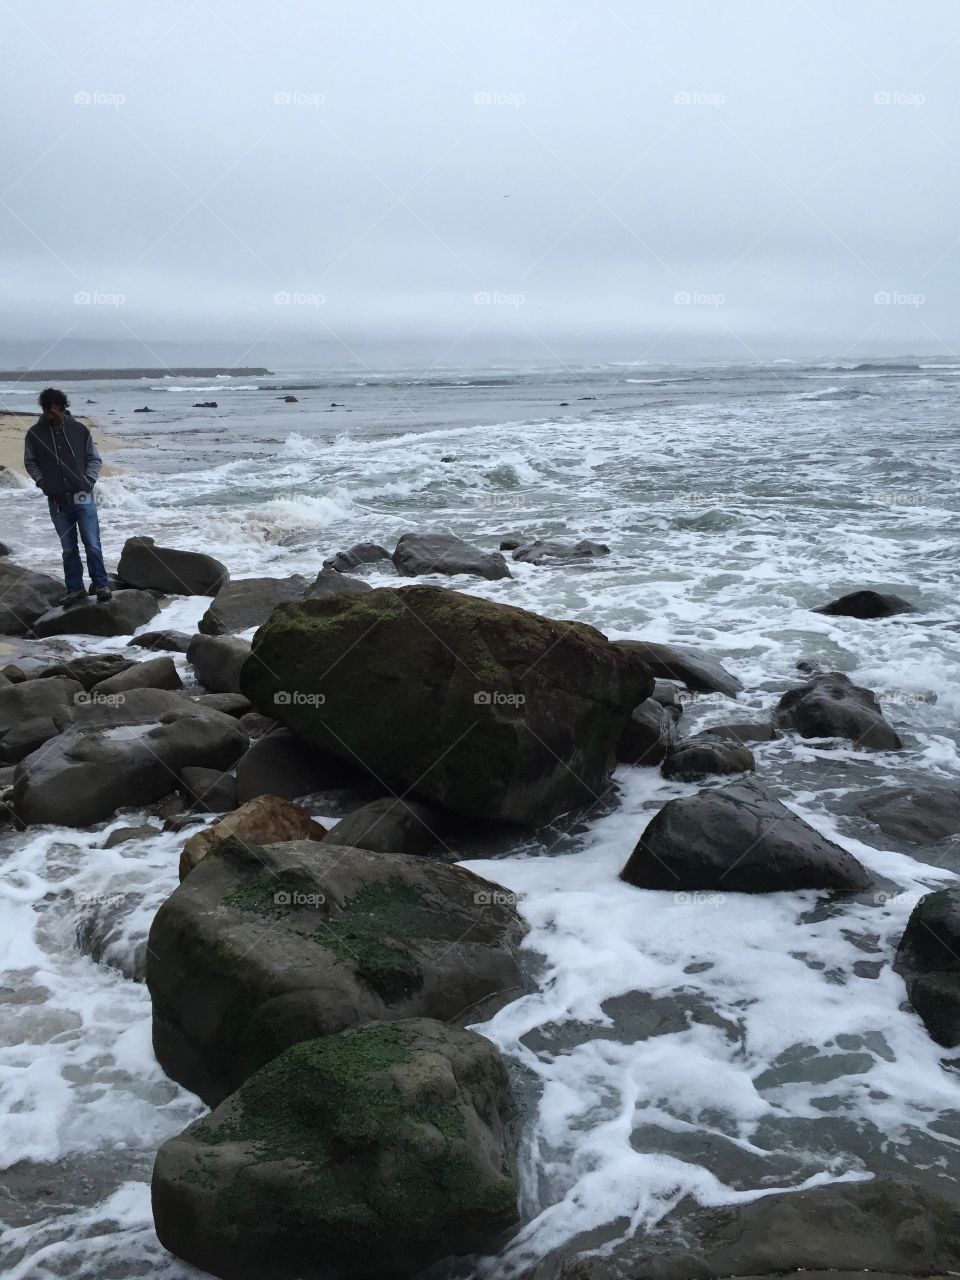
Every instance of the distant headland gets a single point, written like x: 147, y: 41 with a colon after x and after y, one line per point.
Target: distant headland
x: 98, y: 375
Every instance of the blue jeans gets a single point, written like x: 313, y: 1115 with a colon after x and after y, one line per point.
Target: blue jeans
x: 71, y: 518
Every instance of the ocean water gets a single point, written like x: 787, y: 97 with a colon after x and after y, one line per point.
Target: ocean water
x: 713, y: 1046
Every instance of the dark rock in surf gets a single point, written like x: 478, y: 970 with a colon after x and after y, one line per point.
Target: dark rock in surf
x: 419, y: 553
x: 217, y: 661
x: 193, y: 573
x: 917, y: 815
x: 481, y: 708
x: 146, y: 409
x: 206, y: 404
x: 648, y: 734
x: 170, y: 641
x: 928, y: 960
x: 330, y: 582
x: 866, y: 605
x: 539, y: 552
x: 288, y: 399
x: 706, y: 755
x: 883, y: 1229
x: 741, y: 839
x: 264, y: 946
x: 360, y: 554
x: 4, y: 549
x: 117, y: 617
x: 832, y: 706
x: 394, y: 825
x: 24, y: 596
x: 123, y: 835
x: 698, y: 671
x: 373, y: 1153
x: 248, y: 602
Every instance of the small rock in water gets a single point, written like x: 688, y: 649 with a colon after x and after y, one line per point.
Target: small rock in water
x: 698, y: 671
x: 448, y: 457
x: 206, y: 404
x: 288, y: 399
x: 265, y: 820
x: 832, y: 706
x: 918, y: 815
x: 704, y: 755
x: 866, y: 605
x: 146, y: 409
x: 418, y: 553
x: 537, y: 552
x: 361, y: 553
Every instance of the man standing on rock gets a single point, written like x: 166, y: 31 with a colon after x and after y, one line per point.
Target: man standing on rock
x: 60, y: 457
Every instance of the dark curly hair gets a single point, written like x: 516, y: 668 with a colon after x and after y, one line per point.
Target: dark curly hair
x: 51, y: 398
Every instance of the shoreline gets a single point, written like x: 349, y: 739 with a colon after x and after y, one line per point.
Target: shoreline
x: 14, y: 426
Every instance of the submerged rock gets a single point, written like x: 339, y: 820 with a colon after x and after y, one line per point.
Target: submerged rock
x: 24, y: 596
x: 832, y: 706
x: 264, y: 946
x: 485, y: 709
x: 917, y: 815
x: 882, y: 1228
x: 698, y: 671
x: 538, y: 552
x: 372, y: 1153
x: 265, y: 820
x: 119, y: 616
x: 191, y: 573
x: 418, y: 553
x: 741, y: 839
x: 866, y: 604
x: 247, y: 602
x: 928, y: 960
x: 706, y: 754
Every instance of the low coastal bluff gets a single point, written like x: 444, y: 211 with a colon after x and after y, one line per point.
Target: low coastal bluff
x: 315, y: 982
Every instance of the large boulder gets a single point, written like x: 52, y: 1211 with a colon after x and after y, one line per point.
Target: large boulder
x: 217, y: 661
x: 246, y: 602
x: 865, y: 605
x: 186, y: 573
x: 872, y: 1230
x: 24, y: 596
x: 832, y: 706
x: 393, y: 825
x: 648, y: 734
x: 263, y: 946
x: 485, y: 709
x: 928, y: 960
x: 115, y: 754
x: 741, y: 839
x: 704, y: 755
x: 30, y: 713
x: 698, y: 671
x: 265, y: 820
x: 918, y: 815
x: 119, y: 616
x: 372, y: 1153
x: 279, y: 764
x: 419, y: 553
x: 155, y: 673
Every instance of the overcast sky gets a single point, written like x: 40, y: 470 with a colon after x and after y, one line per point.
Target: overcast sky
x: 760, y: 173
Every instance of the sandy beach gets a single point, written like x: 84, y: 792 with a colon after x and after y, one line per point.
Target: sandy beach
x: 14, y: 426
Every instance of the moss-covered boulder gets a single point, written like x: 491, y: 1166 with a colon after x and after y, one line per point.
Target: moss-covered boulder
x: 928, y: 960
x: 261, y: 947
x: 482, y: 708
x: 371, y: 1153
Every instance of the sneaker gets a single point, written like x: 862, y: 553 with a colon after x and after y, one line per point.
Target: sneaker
x: 72, y: 597
x: 104, y: 594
